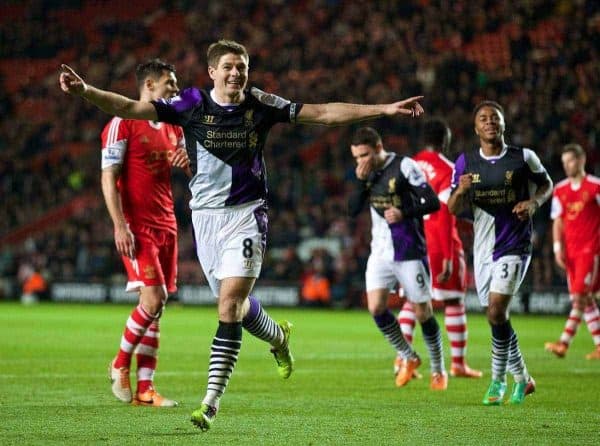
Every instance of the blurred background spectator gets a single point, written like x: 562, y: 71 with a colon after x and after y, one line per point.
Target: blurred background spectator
x: 538, y: 58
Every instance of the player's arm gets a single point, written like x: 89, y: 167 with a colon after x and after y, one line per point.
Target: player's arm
x: 339, y: 113
x: 358, y: 198
x: 124, y: 239
x: 180, y: 159
x: 425, y: 200
x: 444, y: 227
x: 558, y: 244
x: 107, y: 101
x: 459, y: 201
x: 537, y: 173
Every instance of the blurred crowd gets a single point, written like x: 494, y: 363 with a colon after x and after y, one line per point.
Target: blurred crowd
x: 540, y: 59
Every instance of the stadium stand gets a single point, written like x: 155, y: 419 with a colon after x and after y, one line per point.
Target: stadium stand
x: 539, y: 59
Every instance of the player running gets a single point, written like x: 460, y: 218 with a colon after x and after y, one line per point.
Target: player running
x: 493, y: 184
x: 444, y: 249
x: 226, y: 129
x: 399, y: 196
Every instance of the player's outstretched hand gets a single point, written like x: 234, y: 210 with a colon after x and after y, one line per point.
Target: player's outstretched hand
x: 408, y: 107
x: 71, y: 82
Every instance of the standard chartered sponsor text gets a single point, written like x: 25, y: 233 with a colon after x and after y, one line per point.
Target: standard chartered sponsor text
x: 227, y: 139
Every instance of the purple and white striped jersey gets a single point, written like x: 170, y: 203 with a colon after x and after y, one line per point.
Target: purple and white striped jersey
x: 225, y: 143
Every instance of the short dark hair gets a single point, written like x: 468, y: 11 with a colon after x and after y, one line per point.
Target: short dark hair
x: 366, y: 135
x: 152, y: 68
x: 575, y: 149
x: 434, y: 133
x: 218, y: 49
x: 492, y: 104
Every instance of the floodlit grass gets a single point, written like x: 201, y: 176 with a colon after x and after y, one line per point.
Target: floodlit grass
x: 54, y: 388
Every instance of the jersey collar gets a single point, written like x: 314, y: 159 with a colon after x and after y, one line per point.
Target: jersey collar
x: 495, y: 157
x: 226, y: 105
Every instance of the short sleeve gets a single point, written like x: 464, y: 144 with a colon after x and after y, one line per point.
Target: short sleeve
x: 556, y: 209
x: 538, y: 172
x: 460, y: 167
x: 412, y: 172
x: 114, y: 142
x: 280, y: 109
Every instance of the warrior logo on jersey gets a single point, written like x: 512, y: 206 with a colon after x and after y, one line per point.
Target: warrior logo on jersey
x: 476, y: 178
x: 208, y: 119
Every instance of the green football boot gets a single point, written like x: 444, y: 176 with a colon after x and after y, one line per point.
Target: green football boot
x: 204, y: 417
x: 282, y: 354
x: 495, y: 393
x: 521, y: 390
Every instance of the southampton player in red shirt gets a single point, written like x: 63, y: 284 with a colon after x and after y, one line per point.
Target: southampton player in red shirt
x: 576, y: 234
x: 444, y: 249
x: 137, y: 157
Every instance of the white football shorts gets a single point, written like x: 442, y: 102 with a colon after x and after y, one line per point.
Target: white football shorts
x: 230, y: 242
x: 503, y: 276
x: 411, y: 275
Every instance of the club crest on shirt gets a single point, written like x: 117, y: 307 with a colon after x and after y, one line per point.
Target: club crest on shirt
x: 574, y: 208
x: 249, y: 119
x: 150, y: 272
x: 144, y: 139
x: 392, y: 185
x: 508, y: 178
x: 172, y: 139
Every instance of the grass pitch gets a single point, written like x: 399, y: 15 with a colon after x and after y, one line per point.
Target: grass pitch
x: 54, y: 388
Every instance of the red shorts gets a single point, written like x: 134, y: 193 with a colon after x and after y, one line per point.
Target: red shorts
x: 582, y: 273
x: 155, y: 262
x: 456, y: 285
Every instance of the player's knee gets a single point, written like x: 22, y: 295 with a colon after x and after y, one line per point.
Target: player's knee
x: 423, y: 311
x: 582, y: 301
x: 496, y: 314
x: 376, y: 308
x: 153, y: 300
x: 231, y: 308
